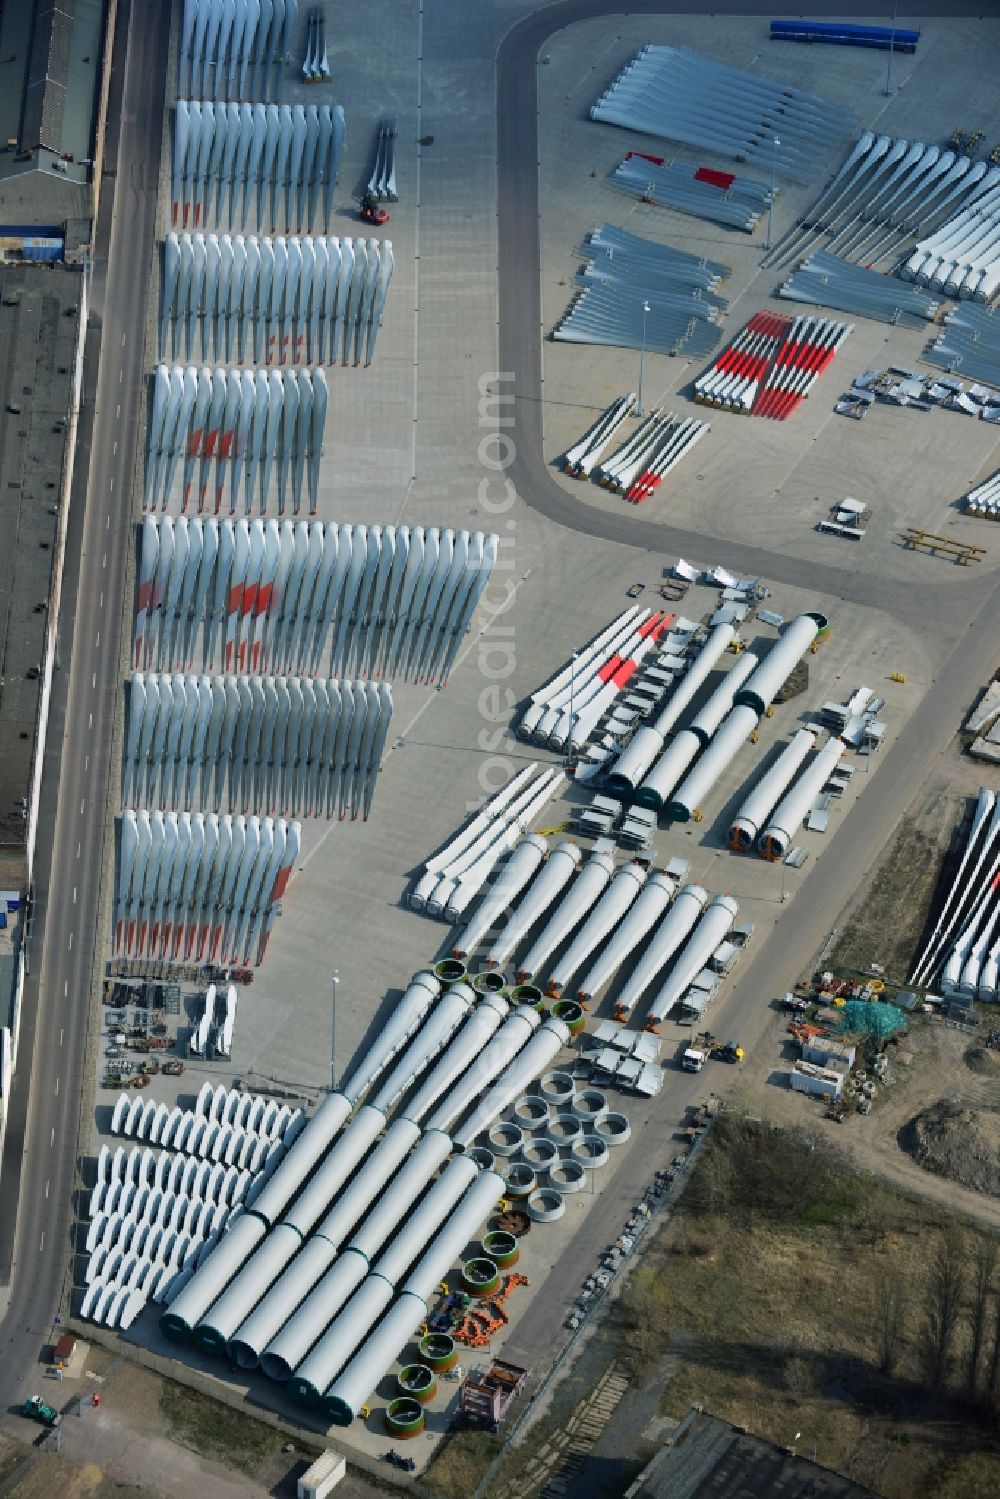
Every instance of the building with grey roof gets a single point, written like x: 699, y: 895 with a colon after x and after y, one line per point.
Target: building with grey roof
x: 53, y: 66
x: 706, y: 1456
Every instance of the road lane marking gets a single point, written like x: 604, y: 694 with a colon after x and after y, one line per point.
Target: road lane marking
x: 86, y: 763
x: 78, y: 850
x: 81, y: 806
x: 101, y: 605
x: 90, y: 721
x: 58, y: 1081
x: 118, y: 411
x: 97, y: 642
x: 123, y: 340
x: 52, y: 1137
x: 62, y: 1032
x: 74, y: 895
x: 46, y: 1189
x: 112, y: 485
x: 93, y: 683
x: 107, y: 522
x: 114, y: 449
x: 105, y: 562
x: 70, y: 942
x: 121, y: 376
x: 65, y: 995
x: 41, y: 1247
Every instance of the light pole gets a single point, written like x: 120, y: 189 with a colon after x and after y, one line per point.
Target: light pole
x: 642, y: 354
x: 774, y: 175
x: 892, y: 41
x: 572, y: 697
x: 335, y: 979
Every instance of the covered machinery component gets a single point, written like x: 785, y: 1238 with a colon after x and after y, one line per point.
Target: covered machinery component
x: 497, y: 901
x: 584, y: 890
x: 423, y: 989
x: 788, y: 815
x: 665, y: 941
x: 607, y: 913
x: 718, y: 917
x: 643, y: 915
x: 668, y: 770
x: 430, y: 1224
x: 648, y: 741
x: 512, y: 1036
x: 225, y: 1261
x: 686, y: 801
x: 523, y: 1069
x: 383, y: 1344
x: 437, y: 1030
x: 561, y: 864
x: 308, y: 1150
x: 784, y: 655
x: 291, y: 1316
x: 460, y: 1054
x: 764, y: 797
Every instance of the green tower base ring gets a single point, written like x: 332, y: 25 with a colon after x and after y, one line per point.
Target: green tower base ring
x: 480, y: 1277
x: 438, y: 1351
x: 501, y: 1248
x: 404, y: 1418
x: 418, y: 1382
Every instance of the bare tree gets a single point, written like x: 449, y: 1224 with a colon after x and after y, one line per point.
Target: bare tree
x: 945, y: 1287
x: 983, y: 1269
x: 993, y: 1372
x: 888, y: 1318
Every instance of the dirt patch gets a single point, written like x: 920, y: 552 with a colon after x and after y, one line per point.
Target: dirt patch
x: 982, y: 1060
x: 962, y: 1144
x: 890, y: 918
x: 778, y: 1326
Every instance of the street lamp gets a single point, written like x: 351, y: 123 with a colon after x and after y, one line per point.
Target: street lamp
x: 335, y: 980
x: 572, y: 698
x: 770, y: 206
x: 892, y: 39
x: 642, y: 354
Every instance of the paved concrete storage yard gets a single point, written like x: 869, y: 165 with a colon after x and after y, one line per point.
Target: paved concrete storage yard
x: 404, y: 446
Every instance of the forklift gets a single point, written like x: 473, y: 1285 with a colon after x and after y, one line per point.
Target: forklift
x: 372, y: 211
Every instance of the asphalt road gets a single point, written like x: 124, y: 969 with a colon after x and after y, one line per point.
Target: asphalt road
x: 959, y: 625
x: 48, y: 1087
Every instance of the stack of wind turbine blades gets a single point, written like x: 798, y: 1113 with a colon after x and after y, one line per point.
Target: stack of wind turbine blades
x: 826, y: 281
x: 270, y: 160
x: 963, y: 953
x: 735, y: 376
x: 382, y: 182
x: 887, y: 192
x: 676, y: 444
x: 202, y: 888
x: 282, y: 597
x: 969, y: 342
x: 591, y: 655
x: 452, y: 877
x: 680, y: 95
x: 264, y: 433
x: 222, y: 44
x: 563, y: 714
x: 807, y: 351
x: 720, y: 197
x: 294, y: 745
x: 315, y: 299
x: 984, y: 500
x: 316, y: 64
x: 621, y: 467
x: 625, y: 276
x: 581, y: 457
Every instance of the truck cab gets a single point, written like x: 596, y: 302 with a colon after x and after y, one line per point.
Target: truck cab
x: 692, y: 1059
